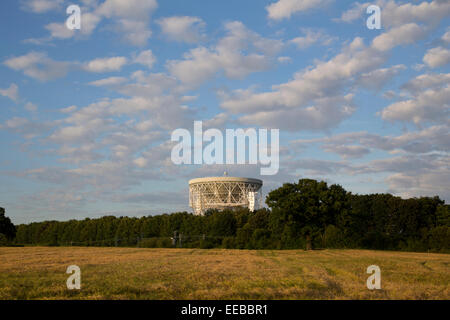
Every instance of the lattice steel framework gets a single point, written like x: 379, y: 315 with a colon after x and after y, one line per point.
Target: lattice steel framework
x: 224, y: 192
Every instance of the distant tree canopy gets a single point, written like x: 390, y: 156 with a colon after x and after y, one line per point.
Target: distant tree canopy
x: 329, y: 216
x: 7, y: 229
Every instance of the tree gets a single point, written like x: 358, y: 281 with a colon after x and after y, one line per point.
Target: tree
x: 6, y: 227
x: 443, y: 215
x: 304, y: 209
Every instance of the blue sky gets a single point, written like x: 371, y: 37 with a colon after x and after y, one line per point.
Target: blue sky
x: 86, y: 115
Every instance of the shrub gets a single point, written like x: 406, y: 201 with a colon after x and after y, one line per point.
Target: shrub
x: 229, y: 243
x: 440, y: 239
x: 333, y: 237
x: 260, y: 239
x: 3, y: 240
x: 148, y: 243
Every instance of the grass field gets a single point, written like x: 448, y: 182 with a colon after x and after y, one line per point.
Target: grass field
x: 134, y: 273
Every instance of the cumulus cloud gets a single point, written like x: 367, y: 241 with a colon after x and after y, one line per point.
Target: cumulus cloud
x: 41, y: 6
x: 323, y: 114
x: 428, y: 103
x: 130, y: 18
x: 425, y: 81
x: 182, y: 28
x: 429, y: 106
x: 437, y: 57
x: 11, y: 92
x: 31, y: 107
x: 378, y: 78
x: 354, y: 13
x: 111, y: 81
x: 283, y: 9
x: 401, y: 35
x: 397, y: 14
x: 27, y: 128
x: 446, y: 37
x: 100, y: 65
x: 203, y: 63
x: 38, y: 65
x: 145, y: 58
x: 312, y: 37
x: 313, y: 99
x: 59, y: 30
x: 284, y: 59
x: 355, y: 144
x: 348, y: 152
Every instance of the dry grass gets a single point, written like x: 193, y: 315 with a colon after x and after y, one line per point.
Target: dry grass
x: 132, y: 273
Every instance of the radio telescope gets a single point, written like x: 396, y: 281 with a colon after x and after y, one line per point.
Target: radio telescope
x: 224, y: 193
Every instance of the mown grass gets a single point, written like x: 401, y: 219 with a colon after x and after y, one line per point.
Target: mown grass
x: 135, y: 273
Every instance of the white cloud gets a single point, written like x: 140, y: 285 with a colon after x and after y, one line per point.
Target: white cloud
x: 100, y: 65
x: 132, y: 18
x: 378, y: 78
x: 284, y: 59
x: 286, y: 8
x: 304, y: 96
x: 323, y: 114
x: 354, y: 13
x: 38, y: 65
x: 202, y: 63
x: 446, y: 37
x: 348, y: 152
x: 31, y: 107
x: 435, y: 138
x: 313, y: 99
x: 59, y: 30
x: 425, y: 81
x: 111, y: 81
x: 27, y: 128
x: 41, y: 6
x: 396, y: 14
x: 130, y: 9
x: 429, y: 96
x: 437, y: 57
x: 68, y: 109
x: 182, y: 28
x: 427, y: 106
x: 12, y: 92
x: 140, y: 162
x: 312, y: 37
x: 145, y: 58
x: 401, y: 35
x: 149, y: 85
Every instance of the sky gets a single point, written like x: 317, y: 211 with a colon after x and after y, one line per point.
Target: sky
x: 86, y: 116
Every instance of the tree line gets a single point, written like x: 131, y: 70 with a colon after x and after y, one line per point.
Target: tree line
x: 307, y: 214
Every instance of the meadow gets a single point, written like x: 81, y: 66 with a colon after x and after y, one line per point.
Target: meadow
x: 140, y: 273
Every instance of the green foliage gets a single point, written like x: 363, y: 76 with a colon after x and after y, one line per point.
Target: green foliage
x: 439, y: 239
x: 327, y: 215
x: 3, y: 240
x: 6, y: 226
x: 443, y: 215
x: 333, y: 237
